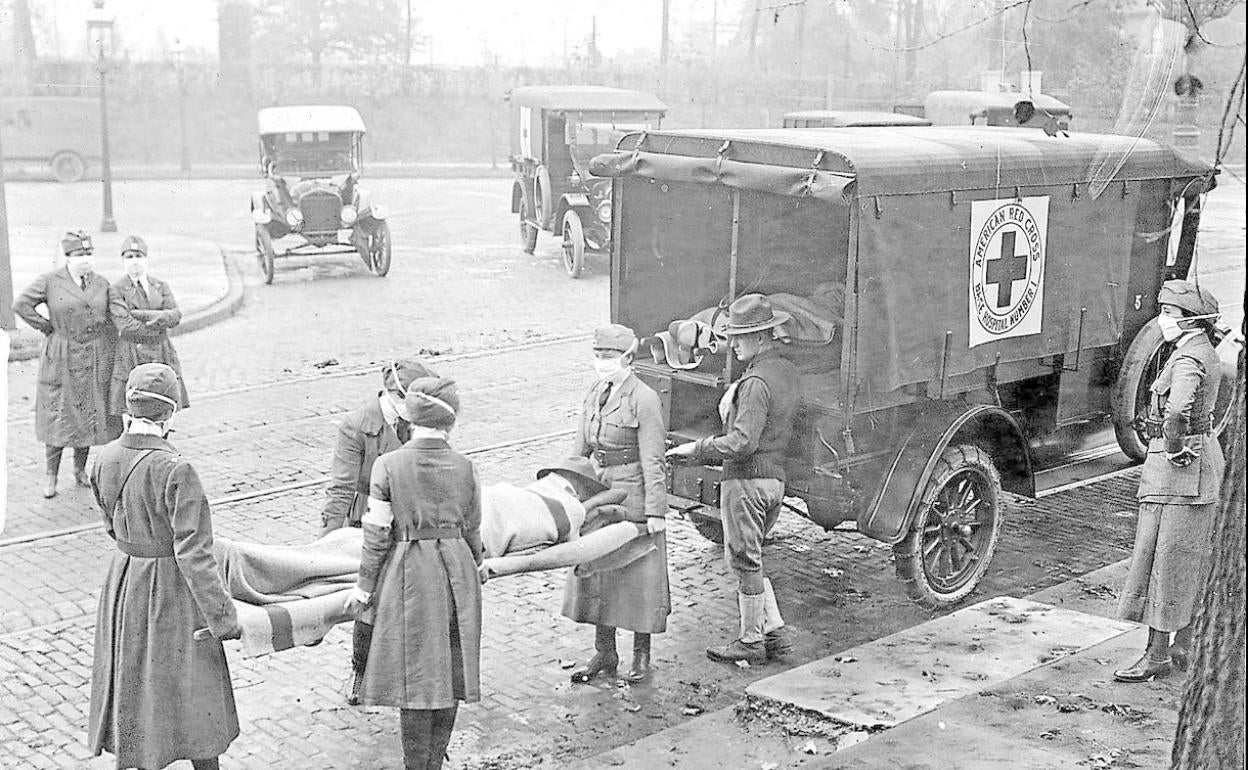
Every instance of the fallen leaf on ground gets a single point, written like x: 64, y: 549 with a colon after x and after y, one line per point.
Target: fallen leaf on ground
x: 567, y: 663
x: 325, y: 363
x: 833, y: 572
x: 845, y: 659
x: 1045, y: 700
x: 632, y: 707
x: 743, y: 664
x: 1049, y: 735
x: 691, y: 710
x: 809, y: 748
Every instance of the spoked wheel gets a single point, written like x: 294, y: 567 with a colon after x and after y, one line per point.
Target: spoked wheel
x: 68, y: 166
x: 528, y: 231
x: 1140, y: 366
x: 379, y: 249
x: 573, y: 244
x: 955, y: 529
x: 265, y: 252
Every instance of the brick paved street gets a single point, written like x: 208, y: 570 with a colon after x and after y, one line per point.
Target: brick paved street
x: 263, y: 416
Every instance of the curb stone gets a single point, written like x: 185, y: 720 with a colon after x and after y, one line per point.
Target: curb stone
x: 27, y: 344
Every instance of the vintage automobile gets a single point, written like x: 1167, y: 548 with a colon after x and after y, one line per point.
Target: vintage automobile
x: 57, y: 133
x: 311, y: 158
x: 960, y: 297
x: 555, y: 131
x: 992, y: 108
x: 849, y: 119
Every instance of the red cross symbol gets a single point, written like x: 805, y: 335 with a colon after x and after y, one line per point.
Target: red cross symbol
x: 1006, y: 269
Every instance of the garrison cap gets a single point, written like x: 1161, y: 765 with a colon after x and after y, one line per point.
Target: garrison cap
x: 75, y: 240
x: 1188, y: 297
x: 152, y: 390
x: 614, y: 337
x: 133, y: 243
x: 402, y: 371
x: 432, y: 402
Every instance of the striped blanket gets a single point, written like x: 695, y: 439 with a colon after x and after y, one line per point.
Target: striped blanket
x: 288, y: 596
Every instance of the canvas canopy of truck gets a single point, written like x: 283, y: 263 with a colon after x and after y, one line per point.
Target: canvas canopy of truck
x: 990, y: 283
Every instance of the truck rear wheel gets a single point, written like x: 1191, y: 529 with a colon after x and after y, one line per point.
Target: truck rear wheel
x: 528, y: 232
x: 68, y: 166
x: 954, y: 531
x: 1140, y: 366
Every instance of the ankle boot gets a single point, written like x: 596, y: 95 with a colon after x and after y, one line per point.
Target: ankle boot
x: 640, y: 671
x: 357, y: 688
x: 749, y: 646
x: 49, y: 485
x: 605, y: 661
x: 1145, y: 669
x: 1181, y: 648
x: 777, y: 638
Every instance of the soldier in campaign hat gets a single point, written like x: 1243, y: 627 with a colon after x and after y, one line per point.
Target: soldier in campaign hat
x: 144, y: 310
x: 622, y: 432
x: 1179, y: 484
x: 379, y: 425
x: 757, y: 411
x: 159, y: 695
x: 71, y: 402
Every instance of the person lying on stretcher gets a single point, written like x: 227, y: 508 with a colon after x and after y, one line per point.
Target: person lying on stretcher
x: 564, y: 518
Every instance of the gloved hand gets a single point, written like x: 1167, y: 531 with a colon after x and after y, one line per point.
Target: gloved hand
x: 656, y: 524
x: 1183, y: 457
x: 683, y: 451
x: 357, y: 600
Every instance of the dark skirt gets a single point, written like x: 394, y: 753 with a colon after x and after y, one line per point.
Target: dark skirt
x: 1170, y: 564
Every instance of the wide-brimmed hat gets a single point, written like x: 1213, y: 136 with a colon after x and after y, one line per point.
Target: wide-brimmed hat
x: 133, y: 243
x: 432, y: 402
x: 615, y: 337
x: 577, y: 466
x: 1188, y: 297
x: 753, y: 313
x: 152, y: 390
x: 74, y: 240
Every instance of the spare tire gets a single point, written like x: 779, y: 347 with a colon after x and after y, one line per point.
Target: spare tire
x: 1140, y: 366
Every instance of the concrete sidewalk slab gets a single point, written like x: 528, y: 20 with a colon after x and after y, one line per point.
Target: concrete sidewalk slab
x: 205, y: 281
x: 895, y: 679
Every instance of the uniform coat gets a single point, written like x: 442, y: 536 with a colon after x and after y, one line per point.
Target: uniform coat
x: 71, y: 402
x: 635, y: 596
x: 363, y: 436
x: 1173, y: 539
x: 157, y: 695
x: 426, y: 595
x: 142, y: 323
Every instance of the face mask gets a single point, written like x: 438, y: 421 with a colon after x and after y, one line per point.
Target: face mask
x: 608, y: 367
x: 136, y: 267
x: 1170, y: 329
x: 80, y: 266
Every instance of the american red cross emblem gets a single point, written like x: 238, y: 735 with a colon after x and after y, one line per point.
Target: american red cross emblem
x: 1004, y: 270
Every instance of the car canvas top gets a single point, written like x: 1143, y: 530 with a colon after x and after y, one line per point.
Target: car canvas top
x: 314, y: 117
x: 848, y: 118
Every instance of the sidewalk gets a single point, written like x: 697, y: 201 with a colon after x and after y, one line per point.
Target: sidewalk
x: 1003, y: 683
x: 205, y: 282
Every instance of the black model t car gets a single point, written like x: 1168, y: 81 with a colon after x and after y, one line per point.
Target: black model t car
x: 555, y: 131
x: 311, y: 158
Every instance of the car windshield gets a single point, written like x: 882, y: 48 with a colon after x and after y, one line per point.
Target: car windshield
x: 312, y: 153
x: 587, y: 139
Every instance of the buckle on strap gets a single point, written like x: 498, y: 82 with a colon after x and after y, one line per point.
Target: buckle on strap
x: 610, y: 457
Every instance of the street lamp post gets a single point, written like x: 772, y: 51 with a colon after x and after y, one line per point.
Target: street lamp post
x: 179, y: 66
x: 100, y: 31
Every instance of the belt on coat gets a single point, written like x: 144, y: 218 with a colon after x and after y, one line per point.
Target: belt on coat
x: 145, y: 550
x: 609, y: 457
x: 1152, y: 428
x: 406, y: 534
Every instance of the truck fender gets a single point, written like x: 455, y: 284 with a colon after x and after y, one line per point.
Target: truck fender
x: 889, y: 515
x: 260, y: 213
x: 366, y: 208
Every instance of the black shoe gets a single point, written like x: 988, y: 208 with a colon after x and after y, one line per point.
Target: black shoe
x: 81, y: 478
x: 357, y: 685
x: 754, y: 653
x: 640, y: 672
x: 778, y: 642
x: 1179, y: 657
x: 1143, y: 670
x: 602, y: 663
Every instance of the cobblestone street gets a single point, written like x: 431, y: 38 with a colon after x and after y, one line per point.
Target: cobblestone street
x: 267, y: 387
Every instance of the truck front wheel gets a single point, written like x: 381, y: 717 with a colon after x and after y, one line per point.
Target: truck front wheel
x: 954, y: 530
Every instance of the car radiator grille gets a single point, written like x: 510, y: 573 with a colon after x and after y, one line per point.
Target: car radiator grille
x: 321, y: 211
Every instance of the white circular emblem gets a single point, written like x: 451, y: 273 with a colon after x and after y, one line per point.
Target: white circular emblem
x: 1006, y: 267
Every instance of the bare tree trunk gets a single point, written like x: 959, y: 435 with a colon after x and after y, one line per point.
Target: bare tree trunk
x: 24, y: 53
x: 1211, y: 716
x: 914, y: 28
x: 754, y: 34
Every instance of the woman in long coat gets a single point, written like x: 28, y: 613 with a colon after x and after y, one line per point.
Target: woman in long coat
x: 622, y: 432
x: 418, y: 578
x: 158, y: 694
x: 1179, y: 484
x: 71, y: 401
x: 143, y: 310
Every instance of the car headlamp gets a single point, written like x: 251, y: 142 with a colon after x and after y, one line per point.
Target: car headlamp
x: 349, y: 215
x: 603, y: 212
x: 294, y: 218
